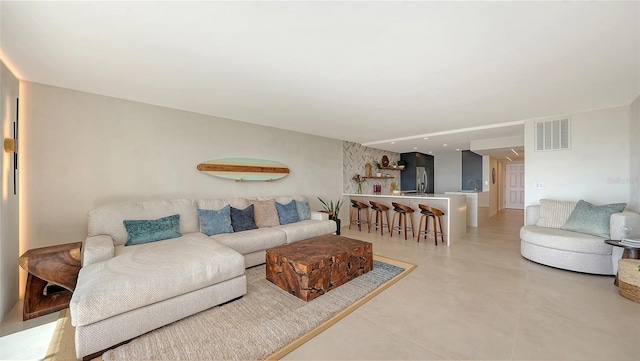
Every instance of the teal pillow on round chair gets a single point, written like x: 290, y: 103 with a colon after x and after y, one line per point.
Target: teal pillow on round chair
x: 590, y: 219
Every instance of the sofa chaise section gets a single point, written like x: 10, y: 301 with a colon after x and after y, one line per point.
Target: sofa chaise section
x: 149, y: 273
x: 150, y: 285
x: 125, y: 291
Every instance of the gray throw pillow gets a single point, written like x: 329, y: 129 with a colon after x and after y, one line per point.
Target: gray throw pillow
x: 215, y: 222
x: 590, y: 219
x: 304, y: 212
x: 144, y: 231
x: 242, y: 219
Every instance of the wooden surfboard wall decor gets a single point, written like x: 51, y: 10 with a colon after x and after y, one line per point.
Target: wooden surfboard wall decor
x: 245, y: 169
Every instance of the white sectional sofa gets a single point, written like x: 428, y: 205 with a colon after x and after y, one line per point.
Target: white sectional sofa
x: 553, y: 246
x: 124, y: 291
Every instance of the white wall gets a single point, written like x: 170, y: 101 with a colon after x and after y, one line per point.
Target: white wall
x: 486, y: 173
x: 81, y: 150
x: 477, y: 146
x: 595, y: 169
x: 447, y: 172
x: 9, y: 211
x: 634, y: 157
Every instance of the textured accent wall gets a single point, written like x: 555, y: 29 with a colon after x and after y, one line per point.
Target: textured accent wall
x: 355, y: 158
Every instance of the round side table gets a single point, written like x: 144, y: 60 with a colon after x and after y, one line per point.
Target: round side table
x: 629, y: 252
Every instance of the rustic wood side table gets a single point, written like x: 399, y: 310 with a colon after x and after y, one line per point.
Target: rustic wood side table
x: 59, y: 265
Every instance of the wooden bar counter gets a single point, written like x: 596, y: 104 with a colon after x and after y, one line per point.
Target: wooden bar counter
x: 454, y: 207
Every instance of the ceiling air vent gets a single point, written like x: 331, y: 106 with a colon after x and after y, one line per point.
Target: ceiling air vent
x: 552, y: 135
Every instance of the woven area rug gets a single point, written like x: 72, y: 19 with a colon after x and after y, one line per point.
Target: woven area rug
x: 267, y: 323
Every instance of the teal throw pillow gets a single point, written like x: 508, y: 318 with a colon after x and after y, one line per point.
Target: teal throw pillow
x: 304, y: 212
x: 242, y: 219
x: 287, y: 212
x: 215, y: 222
x: 144, y: 231
x: 590, y: 219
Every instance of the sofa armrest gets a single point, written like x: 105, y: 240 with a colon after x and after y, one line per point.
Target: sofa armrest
x: 97, y: 249
x: 319, y: 216
x: 620, y: 221
x: 532, y: 214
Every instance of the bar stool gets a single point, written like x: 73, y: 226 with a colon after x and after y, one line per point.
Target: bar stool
x: 356, y: 207
x: 429, y: 212
x: 401, y: 211
x: 379, y: 208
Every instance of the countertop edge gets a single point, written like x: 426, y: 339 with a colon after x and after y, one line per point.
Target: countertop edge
x: 438, y: 196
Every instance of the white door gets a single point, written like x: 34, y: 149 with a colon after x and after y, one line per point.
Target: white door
x: 514, y: 185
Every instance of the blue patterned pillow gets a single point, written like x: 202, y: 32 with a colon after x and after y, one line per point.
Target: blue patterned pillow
x: 590, y: 219
x: 215, y: 222
x: 144, y: 231
x: 287, y: 212
x: 242, y: 219
x: 304, y: 212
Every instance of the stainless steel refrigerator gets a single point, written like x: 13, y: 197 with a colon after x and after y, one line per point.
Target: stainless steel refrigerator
x: 422, y: 180
x: 418, y: 175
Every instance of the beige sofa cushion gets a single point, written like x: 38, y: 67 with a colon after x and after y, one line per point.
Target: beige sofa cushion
x: 306, y: 229
x: 152, y: 272
x: 252, y: 240
x: 217, y: 203
x: 107, y: 219
x: 564, y: 240
x: 554, y: 214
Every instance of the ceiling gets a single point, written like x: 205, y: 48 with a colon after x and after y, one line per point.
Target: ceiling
x: 366, y: 72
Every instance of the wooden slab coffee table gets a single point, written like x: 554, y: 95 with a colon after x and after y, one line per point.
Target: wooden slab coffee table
x: 313, y: 267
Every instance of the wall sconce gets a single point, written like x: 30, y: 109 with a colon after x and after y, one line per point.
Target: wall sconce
x: 9, y: 145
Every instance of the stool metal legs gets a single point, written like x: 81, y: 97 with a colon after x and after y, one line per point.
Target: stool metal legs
x: 426, y: 227
x: 355, y: 212
x: 402, y: 223
x: 379, y: 222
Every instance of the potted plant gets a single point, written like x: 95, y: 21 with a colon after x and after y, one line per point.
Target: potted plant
x: 333, y: 209
x: 401, y: 164
x: 378, y: 166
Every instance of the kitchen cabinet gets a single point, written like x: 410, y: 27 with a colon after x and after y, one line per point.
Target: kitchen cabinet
x: 418, y: 170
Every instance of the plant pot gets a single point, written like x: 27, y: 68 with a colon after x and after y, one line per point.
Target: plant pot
x: 337, y: 220
x: 378, y: 174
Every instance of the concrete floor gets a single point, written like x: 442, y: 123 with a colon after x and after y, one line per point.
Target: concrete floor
x: 477, y: 299
x: 25, y: 340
